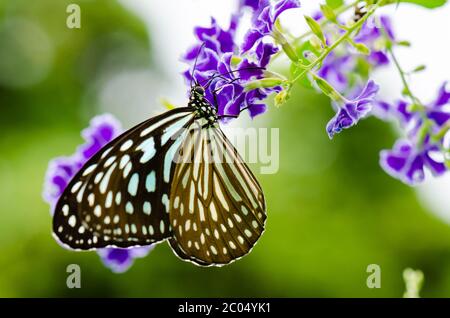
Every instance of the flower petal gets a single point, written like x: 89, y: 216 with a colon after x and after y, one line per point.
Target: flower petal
x: 256, y: 109
x: 284, y: 5
x: 250, y: 38
x: 339, y: 122
x: 443, y: 96
x: 369, y: 91
x: 119, y: 260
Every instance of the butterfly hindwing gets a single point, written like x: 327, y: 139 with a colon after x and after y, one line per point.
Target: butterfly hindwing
x: 120, y: 197
x: 217, y: 207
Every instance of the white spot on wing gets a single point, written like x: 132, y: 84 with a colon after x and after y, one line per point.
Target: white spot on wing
x: 126, y: 145
x: 89, y: 169
x: 76, y: 186
x: 72, y: 220
x: 133, y: 184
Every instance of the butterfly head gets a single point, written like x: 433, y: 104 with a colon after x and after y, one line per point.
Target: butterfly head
x: 198, y: 90
x: 201, y: 105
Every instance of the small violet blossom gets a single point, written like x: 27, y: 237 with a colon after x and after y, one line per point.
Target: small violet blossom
x: 371, y: 34
x: 349, y: 112
x: 411, y: 156
x: 60, y: 171
x: 264, y: 18
x: 224, y: 71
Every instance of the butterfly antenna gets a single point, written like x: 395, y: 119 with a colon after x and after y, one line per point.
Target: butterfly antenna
x: 209, y: 81
x: 195, y: 63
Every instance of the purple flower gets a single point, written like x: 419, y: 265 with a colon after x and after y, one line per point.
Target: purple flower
x: 370, y: 34
x: 351, y: 111
x: 438, y: 111
x: 60, y: 171
x: 407, y: 162
x: 335, y: 70
x: 119, y: 260
x: 224, y: 74
x: 254, y: 4
x: 411, y: 157
x: 443, y: 96
x: 263, y: 20
x: 398, y: 110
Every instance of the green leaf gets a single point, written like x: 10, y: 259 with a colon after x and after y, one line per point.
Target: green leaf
x: 327, y: 88
x: 328, y: 12
x: 361, y: 48
x: 430, y: 4
x: 264, y: 83
x: 404, y: 43
x: 419, y: 68
x: 316, y: 29
x: 335, y: 3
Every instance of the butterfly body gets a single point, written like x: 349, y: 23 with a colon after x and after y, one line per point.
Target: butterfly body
x: 137, y: 191
x: 203, y: 109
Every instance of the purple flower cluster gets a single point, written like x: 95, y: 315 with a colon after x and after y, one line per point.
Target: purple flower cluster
x: 60, y: 171
x: 339, y: 68
x: 225, y: 67
x: 422, y: 148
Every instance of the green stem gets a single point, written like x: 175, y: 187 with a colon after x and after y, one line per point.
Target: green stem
x: 343, y: 38
x: 442, y: 132
x: 328, y: 89
x: 338, y: 12
x: 407, y: 89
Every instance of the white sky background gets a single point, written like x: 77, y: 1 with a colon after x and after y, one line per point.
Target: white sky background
x: 171, y: 24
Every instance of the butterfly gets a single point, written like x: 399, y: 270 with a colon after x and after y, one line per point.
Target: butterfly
x: 175, y: 177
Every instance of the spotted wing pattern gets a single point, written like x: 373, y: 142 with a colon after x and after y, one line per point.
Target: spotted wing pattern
x: 120, y: 197
x: 217, y: 208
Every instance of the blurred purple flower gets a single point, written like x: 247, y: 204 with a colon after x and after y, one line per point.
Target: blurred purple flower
x: 351, y: 111
x: 438, y: 111
x: 398, y: 110
x: 409, y: 158
x: 338, y: 68
x: 263, y: 20
x: 371, y: 32
x: 335, y: 70
x: 119, y: 260
x: 224, y: 74
x: 60, y: 171
x: 407, y: 162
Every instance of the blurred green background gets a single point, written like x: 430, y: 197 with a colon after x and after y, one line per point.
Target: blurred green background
x: 332, y: 210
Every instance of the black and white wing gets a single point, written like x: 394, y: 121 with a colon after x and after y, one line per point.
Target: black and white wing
x: 120, y: 197
x: 217, y: 207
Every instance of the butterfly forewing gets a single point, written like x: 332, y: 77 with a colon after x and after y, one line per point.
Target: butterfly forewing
x: 217, y: 208
x: 121, y: 195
